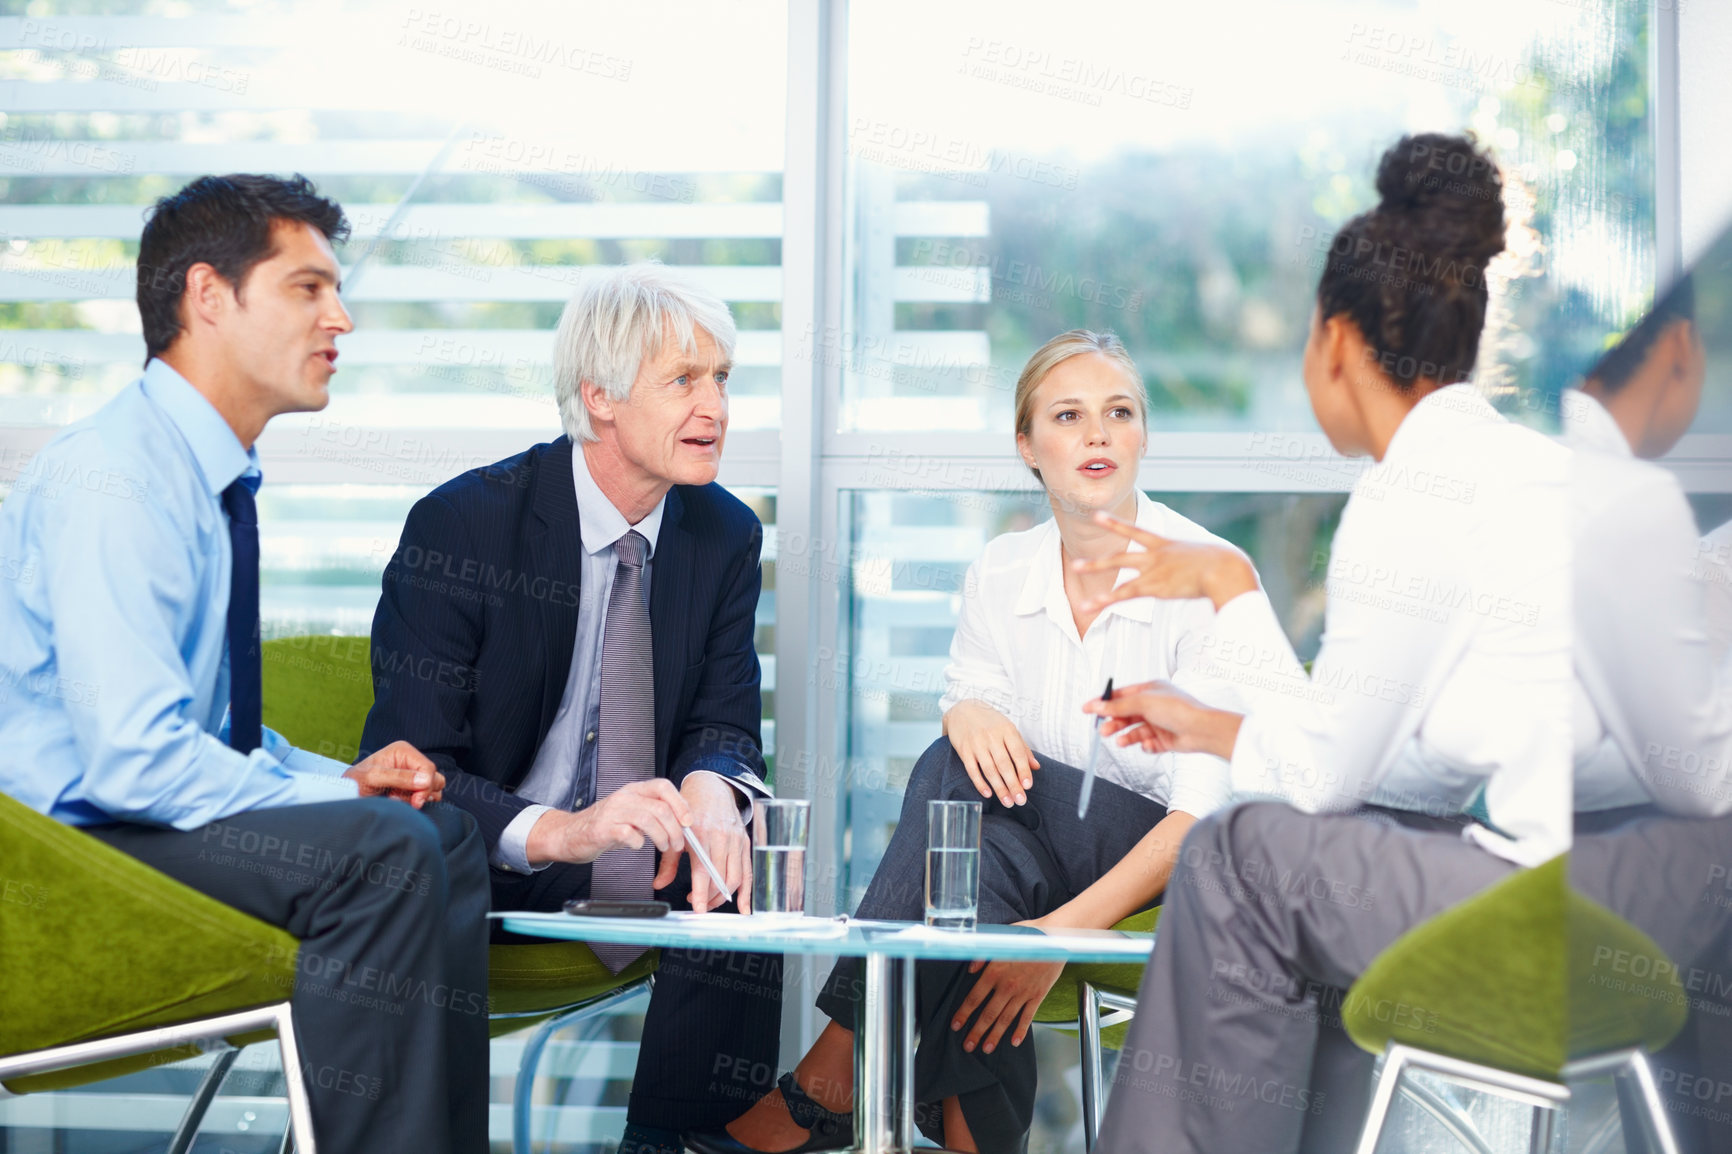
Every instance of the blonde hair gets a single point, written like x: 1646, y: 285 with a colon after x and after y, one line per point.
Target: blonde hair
x: 1055, y: 352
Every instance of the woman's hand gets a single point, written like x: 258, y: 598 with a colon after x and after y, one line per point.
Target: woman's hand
x: 1170, y: 569
x: 996, y: 757
x: 1163, y: 718
x: 1011, y: 993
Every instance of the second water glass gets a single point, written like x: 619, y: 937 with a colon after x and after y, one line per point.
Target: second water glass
x: 779, y: 857
x: 952, y: 864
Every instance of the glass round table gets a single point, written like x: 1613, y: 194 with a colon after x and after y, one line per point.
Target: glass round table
x: 884, y: 1040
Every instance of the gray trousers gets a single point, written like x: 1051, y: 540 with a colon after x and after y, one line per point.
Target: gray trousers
x: 1033, y: 859
x: 1672, y: 879
x: 1237, y: 1044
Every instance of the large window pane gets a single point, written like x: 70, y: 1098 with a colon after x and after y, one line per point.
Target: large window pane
x: 484, y: 156
x: 1175, y: 175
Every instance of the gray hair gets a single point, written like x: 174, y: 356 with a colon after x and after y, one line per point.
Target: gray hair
x: 620, y: 316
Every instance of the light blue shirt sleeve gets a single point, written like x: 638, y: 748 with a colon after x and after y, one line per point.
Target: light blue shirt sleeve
x: 118, y: 574
x: 296, y: 760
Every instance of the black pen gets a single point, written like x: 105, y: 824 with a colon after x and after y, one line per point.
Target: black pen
x: 1088, y: 786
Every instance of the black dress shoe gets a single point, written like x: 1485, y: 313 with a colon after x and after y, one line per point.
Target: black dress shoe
x: 829, y: 1131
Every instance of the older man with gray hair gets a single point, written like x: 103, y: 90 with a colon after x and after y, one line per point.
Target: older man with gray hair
x: 567, y: 634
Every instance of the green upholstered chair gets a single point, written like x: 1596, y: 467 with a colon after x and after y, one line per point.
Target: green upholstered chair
x: 1519, y: 991
x: 1077, y: 999
x: 112, y: 967
x: 317, y: 692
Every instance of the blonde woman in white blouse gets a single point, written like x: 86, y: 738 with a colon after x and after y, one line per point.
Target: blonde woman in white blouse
x: 1026, y: 656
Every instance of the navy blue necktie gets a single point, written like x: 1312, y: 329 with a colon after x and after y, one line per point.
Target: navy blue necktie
x: 246, y: 689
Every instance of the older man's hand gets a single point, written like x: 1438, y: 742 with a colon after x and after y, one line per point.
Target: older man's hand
x: 715, y: 808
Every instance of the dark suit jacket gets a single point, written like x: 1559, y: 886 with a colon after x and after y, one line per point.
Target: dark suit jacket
x: 472, y: 640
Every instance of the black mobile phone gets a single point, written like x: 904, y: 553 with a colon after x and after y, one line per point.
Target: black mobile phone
x: 608, y: 908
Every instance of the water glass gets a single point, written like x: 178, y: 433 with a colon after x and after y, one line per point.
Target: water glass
x: 779, y: 857
x: 952, y: 864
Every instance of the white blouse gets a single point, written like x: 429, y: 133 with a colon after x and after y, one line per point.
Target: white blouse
x: 1016, y: 649
x: 1652, y: 679
x: 1445, y: 659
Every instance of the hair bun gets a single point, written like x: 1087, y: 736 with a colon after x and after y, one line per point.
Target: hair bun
x: 1450, y: 188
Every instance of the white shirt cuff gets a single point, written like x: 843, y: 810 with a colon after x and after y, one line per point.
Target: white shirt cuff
x: 746, y: 795
x: 512, y: 852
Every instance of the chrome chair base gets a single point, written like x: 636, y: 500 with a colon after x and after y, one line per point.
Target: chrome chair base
x: 523, y: 1096
x: 206, y: 1030
x: 1630, y: 1067
x: 1091, y: 1000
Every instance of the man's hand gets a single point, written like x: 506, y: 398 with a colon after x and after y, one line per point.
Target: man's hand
x: 400, y: 771
x: 991, y: 749
x: 715, y: 808
x: 643, y: 811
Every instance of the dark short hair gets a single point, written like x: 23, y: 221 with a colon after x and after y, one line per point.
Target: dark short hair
x: 225, y: 222
x: 1411, y: 272
x: 1620, y: 363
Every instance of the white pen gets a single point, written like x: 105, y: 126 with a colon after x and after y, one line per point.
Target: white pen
x: 709, y: 866
x: 1088, y: 785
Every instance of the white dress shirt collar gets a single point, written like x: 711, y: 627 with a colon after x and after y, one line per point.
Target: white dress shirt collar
x: 1043, y: 588
x: 1587, y: 425
x: 599, y: 522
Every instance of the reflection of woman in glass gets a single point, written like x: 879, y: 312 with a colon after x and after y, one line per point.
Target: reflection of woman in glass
x: 1026, y: 654
x: 1445, y: 658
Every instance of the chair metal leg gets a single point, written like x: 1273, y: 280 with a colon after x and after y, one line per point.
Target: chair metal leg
x: 1540, y: 1136
x: 523, y: 1094
x: 1091, y: 1000
x: 1389, y: 1068
x: 276, y: 1017
x: 1089, y: 1034
x: 1636, y: 1077
x: 1641, y: 1076
x: 1630, y: 1068
x: 206, y: 1093
x: 300, y: 1107
x: 1544, y: 1096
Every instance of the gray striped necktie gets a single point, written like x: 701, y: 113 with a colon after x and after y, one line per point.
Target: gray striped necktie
x: 626, y: 752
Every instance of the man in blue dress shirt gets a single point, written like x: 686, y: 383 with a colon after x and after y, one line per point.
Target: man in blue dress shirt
x: 130, y: 677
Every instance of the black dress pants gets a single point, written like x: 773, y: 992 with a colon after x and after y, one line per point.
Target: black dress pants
x: 390, y: 997
x: 1033, y: 859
